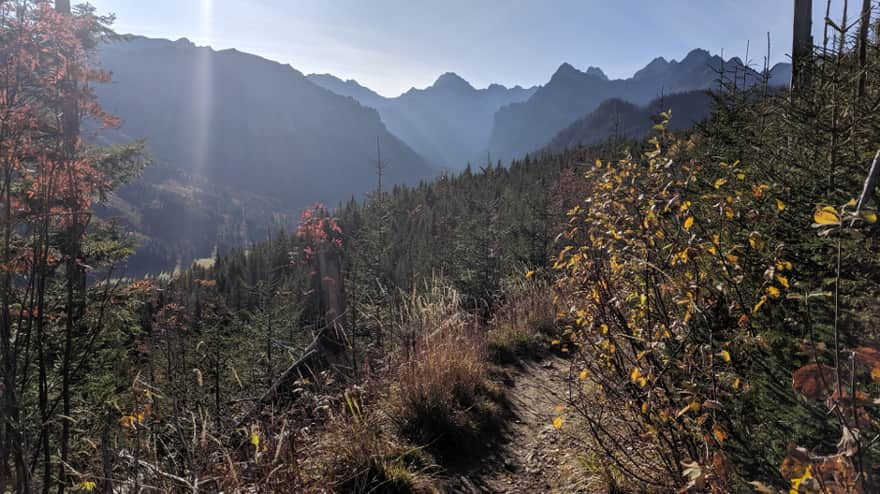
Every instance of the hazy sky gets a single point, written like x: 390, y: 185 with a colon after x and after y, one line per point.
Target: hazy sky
x: 392, y: 45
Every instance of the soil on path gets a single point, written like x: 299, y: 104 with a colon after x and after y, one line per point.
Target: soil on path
x: 531, y: 456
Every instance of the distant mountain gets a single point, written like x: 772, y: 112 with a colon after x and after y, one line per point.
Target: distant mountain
x: 350, y: 88
x: 571, y: 95
x: 625, y: 120
x: 241, y: 126
x: 448, y: 122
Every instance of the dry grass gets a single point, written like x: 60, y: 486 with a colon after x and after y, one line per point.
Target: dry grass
x: 438, y: 388
x: 521, y: 326
x: 442, y: 396
x: 432, y: 395
x: 358, y: 454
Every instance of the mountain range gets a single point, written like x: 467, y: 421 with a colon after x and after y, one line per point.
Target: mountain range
x: 234, y: 138
x: 241, y: 144
x: 570, y: 94
x: 448, y: 122
x: 238, y: 119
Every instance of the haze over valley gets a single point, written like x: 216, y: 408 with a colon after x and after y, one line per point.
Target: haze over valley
x: 242, y: 144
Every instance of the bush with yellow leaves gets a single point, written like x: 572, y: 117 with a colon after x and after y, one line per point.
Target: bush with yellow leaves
x: 667, y: 266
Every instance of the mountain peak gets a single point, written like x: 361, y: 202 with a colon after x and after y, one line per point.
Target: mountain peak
x: 656, y: 67
x: 566, y: 69
x: 597, y: 72
x: 451, y: 80
x: 697, y: 55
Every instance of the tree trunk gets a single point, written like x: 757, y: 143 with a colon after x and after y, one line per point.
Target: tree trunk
x: 864, y: 25
x: 802, y: 45
x: 75, y: 275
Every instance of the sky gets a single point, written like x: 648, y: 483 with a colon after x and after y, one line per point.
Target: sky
x: 392, y: 45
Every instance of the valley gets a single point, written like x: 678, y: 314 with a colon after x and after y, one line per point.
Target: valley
x: 266, y: 248
x: 255, y: 149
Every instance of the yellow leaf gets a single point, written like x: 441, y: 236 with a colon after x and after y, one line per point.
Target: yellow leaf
x: 529, y: 274
x: 732, y: 259
x: 725, y: 355
x: 736, y: 383
x: 759, y: 304
x: 615, y: 266
x: 783, y: 281
x: 796, y: 482
x: 255, y: 439
x: 756, y: 243
x: 826, y: 216
x: 635, y: 374
x: 557, y: 423
x: 583, y: 375
x: 684, y: 206
x: 719, y: 433
x: 869, y: 216
x: 688, y: 223
x: 128, y: 421
x: 784, y: 265
x: 85, y: 485
x: 773, y: 291
x: 720, y: 182
x: 780, y: 205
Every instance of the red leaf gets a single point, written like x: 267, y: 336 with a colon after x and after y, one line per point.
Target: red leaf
x: 812, y: 380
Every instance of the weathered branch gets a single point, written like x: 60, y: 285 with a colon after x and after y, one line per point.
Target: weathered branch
x: 870, y: 183
x: 324, y: 351
x: 193, y: 486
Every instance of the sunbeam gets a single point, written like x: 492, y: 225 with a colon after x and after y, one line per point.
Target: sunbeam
x: 203, y: 88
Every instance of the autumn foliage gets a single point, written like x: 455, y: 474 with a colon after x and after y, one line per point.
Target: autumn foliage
x: 720, y: 287
x: 51, y: 319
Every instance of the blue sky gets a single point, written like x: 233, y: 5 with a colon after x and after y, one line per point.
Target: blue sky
x: 392, y: 45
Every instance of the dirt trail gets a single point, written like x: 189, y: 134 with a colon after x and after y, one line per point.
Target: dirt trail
x: 532, y: 456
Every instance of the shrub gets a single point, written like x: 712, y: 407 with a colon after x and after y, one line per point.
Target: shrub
x: 668, y: 268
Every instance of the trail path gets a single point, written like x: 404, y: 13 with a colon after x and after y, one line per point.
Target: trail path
x: 532, y: 456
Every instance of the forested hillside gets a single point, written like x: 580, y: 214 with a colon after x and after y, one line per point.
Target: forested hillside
x: 617, y: 120
x: 239, y: 127
x: 690, y: 311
